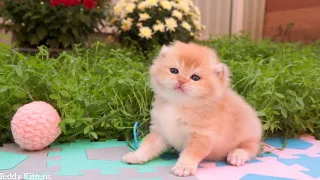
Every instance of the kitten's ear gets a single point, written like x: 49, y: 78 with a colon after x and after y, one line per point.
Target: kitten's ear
x: 223, y: 73
x: 164, y: 50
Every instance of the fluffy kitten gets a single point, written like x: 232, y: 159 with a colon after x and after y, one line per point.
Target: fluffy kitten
x: 196, y: 112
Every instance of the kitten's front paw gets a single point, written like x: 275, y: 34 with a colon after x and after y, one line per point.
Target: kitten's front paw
x: 238, y: 157
x: 133, y: 158
x: 183, y: 171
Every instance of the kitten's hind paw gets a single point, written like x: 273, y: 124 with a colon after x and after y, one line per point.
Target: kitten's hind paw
x: 133, y: 158
x: 238, y: 157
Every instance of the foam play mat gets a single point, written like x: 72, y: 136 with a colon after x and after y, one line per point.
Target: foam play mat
x: 300, y: 160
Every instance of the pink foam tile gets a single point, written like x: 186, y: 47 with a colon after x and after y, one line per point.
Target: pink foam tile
x: 290, y: 153
x: 269, y: 167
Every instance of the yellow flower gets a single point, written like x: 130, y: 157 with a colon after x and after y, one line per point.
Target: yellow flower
x: 130, y: 7
x: 144, y: 16
x: 191, y: 34
x: 177, y: 14
x: 145, y: 32
x: 159, y: 27
x: 126, y: 24
x: 171, y: 24
x: 166, y: 5
x: 184, y: 6
x: 186, y: 25
x: 142, y: 5
x: 151, y: 3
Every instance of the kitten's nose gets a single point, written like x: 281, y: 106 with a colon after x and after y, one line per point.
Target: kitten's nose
x: 182, y: 81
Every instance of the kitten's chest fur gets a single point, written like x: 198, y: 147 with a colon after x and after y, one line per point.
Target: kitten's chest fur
x: 168, y: 121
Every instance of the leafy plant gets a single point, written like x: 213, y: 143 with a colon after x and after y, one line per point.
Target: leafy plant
x: 146, y: 23
x: 101, y: 92
x: 54, y: 23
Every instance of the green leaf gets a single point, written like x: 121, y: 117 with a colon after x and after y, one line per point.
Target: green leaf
x: 120, y: 81
x: 33, y: 39
x: 65, y: 94
x: 103, y: 123
x: 19, y: 71
x: 94, y: 135
x: 266, y: 93
x: 70, y: 120
x: 284, y: 113
x: 16, y: 107
x: 126, y: 113
x: 280, y: 95
x: 63, y: 127
x: 86, y: 130
x: 265, y: 126
x: 75, y: 32
x: 28, y: 14
x: 53, y: 96
x: 3, y: 89
x: 111, y: 82
x: 57, y: 81
x: 260, y: 113
x: 41, y: 32
x: 300, y: 101
x: 20, y: 94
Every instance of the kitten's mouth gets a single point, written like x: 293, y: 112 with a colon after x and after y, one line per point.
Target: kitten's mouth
x: 179, y: 88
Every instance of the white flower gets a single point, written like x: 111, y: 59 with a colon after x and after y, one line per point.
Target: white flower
x: 159, y: 27
x: 173, y: 4
x: 145, y: 32
x: 130, y: 7
x: 171, y: 24
x: 197, y: 24
x: 144, y: 16
x: 183, y: 5
x: 126, y: 24
x: 118, y: 8
x: 142, y: 5
x: 186, y: 25
x: 151, y: 3
x: 166, y: 5
x: 177, y: 14
x: 197, y: 10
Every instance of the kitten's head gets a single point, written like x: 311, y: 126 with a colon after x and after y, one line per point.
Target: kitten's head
x: 188, y: 72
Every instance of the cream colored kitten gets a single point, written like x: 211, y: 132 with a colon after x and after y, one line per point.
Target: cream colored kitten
x: 196, y: 112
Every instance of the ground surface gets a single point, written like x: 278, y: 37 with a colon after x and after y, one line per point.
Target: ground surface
x: 102, y: 160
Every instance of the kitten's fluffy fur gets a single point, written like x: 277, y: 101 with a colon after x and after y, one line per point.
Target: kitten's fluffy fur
x: 202, y: 119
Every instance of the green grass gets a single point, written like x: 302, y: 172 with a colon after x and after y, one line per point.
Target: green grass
x: 281, y: 81
x: 101, y: 92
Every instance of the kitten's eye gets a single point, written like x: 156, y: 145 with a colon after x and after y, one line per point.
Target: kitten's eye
x: 174, y: 71
x: 195, y: 77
